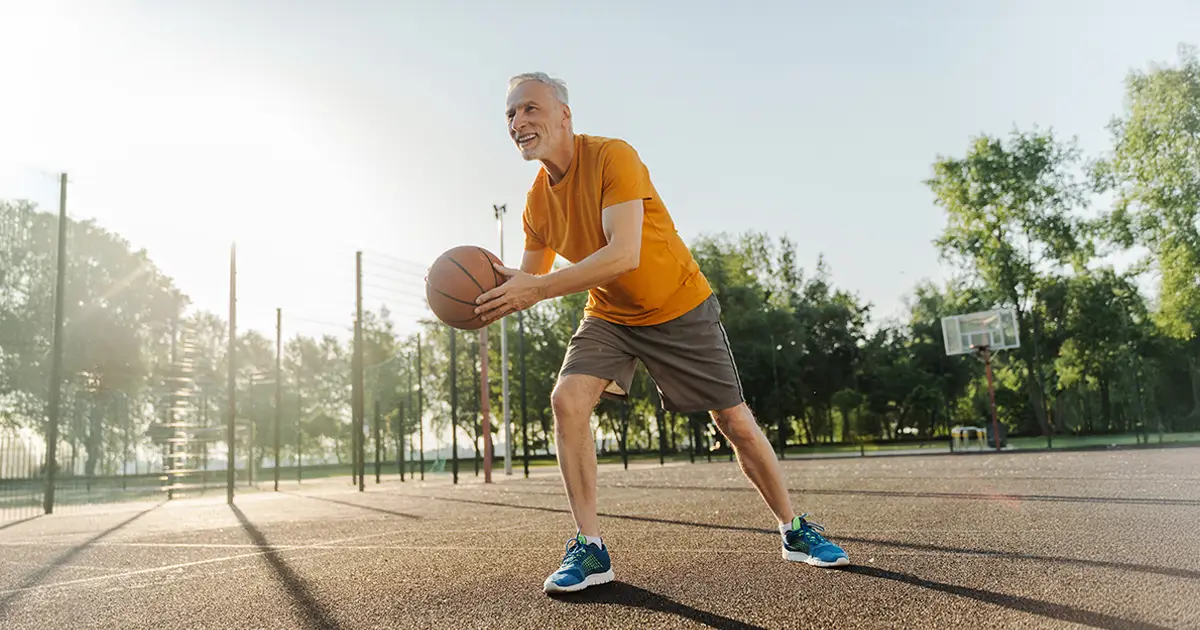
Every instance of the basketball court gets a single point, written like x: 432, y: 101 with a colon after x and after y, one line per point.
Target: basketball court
x: 1102, y: 539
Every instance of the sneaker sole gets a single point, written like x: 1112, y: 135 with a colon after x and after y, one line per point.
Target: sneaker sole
x: 594, y: 579
x: 800, y: 556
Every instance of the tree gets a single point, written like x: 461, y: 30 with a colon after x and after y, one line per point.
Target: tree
x: 1010, y: 221
x: 1154, y: 171
x: 1104, y: 313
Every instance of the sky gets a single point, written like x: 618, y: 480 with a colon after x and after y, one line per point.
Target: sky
x: 307, y: 131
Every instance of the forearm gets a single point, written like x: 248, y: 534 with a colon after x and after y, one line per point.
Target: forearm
x: 605, y: 265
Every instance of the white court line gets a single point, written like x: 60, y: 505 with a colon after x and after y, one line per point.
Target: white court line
x: 74, y: 543
x: 539, y: 549
x: 167, y: 545
x: 183, y: 565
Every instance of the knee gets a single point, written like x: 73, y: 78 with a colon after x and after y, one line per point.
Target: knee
x: 571, y: 403
x: 737, y: 423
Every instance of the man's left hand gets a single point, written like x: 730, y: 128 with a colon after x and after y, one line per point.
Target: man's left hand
x: 519, y: 292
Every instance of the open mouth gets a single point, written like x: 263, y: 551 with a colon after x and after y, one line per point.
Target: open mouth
x: 523, y: 141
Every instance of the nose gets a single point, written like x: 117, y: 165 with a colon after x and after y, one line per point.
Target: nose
x: 517, y: 123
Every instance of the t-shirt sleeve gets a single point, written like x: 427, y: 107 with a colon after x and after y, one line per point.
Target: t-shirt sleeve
x: 624, y: 175
x: 533, y: 241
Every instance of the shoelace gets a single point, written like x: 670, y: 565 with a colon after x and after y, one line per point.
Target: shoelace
x: 574, y: 554
x: 811, y: 531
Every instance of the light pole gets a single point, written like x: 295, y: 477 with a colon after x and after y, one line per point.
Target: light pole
x: 500, y: 210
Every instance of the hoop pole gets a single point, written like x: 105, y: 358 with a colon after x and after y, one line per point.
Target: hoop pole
x: 987, y: 363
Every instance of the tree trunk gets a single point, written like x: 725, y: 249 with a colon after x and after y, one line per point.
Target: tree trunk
x: 1106, y: 404
x: 1037, y: 399
x: 95, y: 439
x: 1194, y: 372
x: 807, y: 423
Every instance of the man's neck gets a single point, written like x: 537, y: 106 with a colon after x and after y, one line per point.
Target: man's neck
x: 558, y: 164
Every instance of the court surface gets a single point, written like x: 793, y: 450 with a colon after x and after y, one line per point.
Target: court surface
x: 1107, y: 539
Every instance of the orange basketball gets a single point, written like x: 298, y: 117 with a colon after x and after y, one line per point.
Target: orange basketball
x: 459, y: 276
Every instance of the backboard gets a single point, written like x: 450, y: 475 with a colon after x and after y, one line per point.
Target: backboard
x: 996, y: 329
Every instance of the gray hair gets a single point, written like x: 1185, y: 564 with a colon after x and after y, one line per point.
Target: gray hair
x: 558, y: 85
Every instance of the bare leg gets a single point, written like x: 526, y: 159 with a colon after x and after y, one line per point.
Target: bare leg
x: 756, y: 458
x: 574, y: 398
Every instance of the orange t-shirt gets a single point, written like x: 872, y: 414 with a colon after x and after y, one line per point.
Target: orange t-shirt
x: 566, y: 218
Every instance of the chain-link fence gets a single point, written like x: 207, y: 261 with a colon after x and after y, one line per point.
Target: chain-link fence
x: 117, y: 384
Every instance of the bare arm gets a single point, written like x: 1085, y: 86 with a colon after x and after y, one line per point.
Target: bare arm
x: 534, y: 281
x: 537, y: 262
x: 623, y: 230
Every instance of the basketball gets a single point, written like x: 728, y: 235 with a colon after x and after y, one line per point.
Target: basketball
x: 459, y: 276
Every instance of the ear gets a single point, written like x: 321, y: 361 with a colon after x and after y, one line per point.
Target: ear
x: 567, y: 113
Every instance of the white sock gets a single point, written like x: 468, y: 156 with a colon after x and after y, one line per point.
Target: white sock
x: 594, y: 540
x: 784, y: 528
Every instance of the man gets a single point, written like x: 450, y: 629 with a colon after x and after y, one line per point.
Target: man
x: 593, y: 203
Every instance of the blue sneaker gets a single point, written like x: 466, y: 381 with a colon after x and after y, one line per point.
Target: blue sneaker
x: 583, y: 565
x: 804, y: 543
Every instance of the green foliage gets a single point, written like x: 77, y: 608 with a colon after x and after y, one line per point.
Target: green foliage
x: 1096, y: 354
x: 1012, y: 222
x: 1154, y: 171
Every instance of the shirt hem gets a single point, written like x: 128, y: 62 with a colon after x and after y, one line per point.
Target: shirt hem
x: 658, y: 318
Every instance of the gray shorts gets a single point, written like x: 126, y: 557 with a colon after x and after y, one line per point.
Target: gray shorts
x: 689, y: 358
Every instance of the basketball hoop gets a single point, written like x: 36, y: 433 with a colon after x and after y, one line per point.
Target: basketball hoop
x: 982, y: 333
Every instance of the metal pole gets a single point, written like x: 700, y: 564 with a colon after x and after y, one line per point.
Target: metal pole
x: 278, y: 387
x: 359, y: 467
x: 987, y: 362
x: 231, y: 411
x: 378, y: 445
x: 625, y: 434
x: 508, y: 439
x: 400, y: 441
x: 478, y: 405
x: 692, y: 433
x: 420, y: 410
x: 485, y: 405
x: 524, y: 406
x: 408, y: 407
x: 299, y: 435
x: 454, y: 403
x: 56, y: 358
x: 662, y: 436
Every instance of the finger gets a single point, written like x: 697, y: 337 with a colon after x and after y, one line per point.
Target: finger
x: 506, y: 271
x: 492, y: 305
x: 498, y: 313
x: 488, y: 296
x: 499, y: 308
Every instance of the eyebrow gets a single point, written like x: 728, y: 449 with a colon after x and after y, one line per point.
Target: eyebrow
x: 518, y: 105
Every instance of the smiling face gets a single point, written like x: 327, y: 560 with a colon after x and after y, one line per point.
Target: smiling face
x: 538, y: 122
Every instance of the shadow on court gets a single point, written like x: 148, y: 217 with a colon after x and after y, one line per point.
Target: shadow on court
x: 1124, y: 566
x: 474, y: 556
x: 1060, y: 612
x: 39, y: 576
x: 627, y: 595
x: 966, y: 496
x: 18, y: 522
x: 313, y: 613
x: 360, y: 506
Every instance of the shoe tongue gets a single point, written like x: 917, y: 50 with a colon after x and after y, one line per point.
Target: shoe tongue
x: 581, y: 539
x: 796, y: 520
